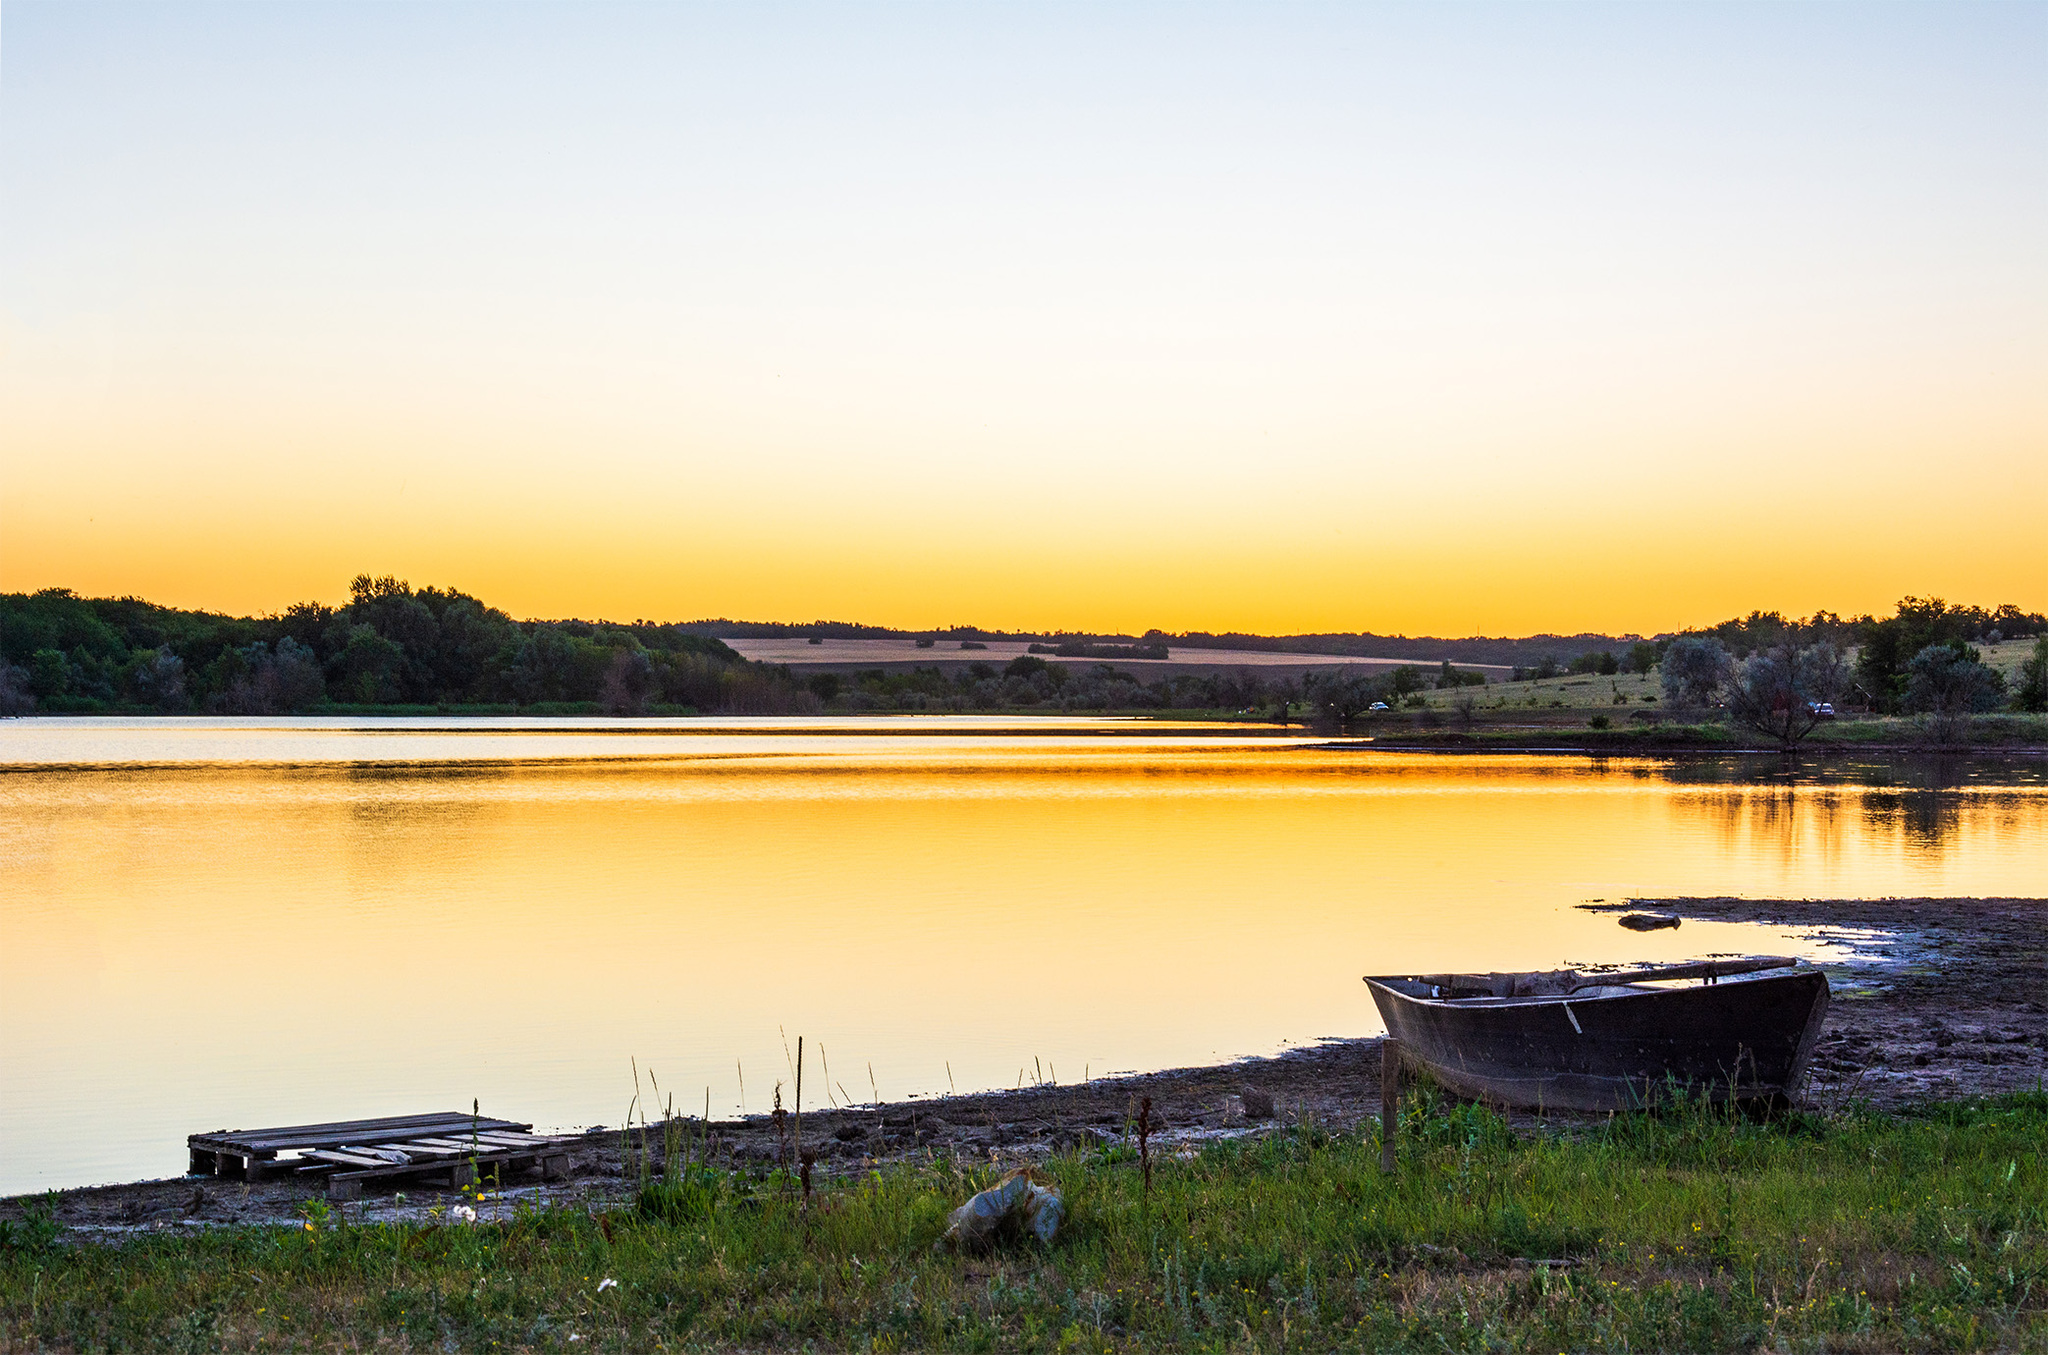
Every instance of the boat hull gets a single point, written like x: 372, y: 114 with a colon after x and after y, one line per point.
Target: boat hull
x: 1620, y: 1050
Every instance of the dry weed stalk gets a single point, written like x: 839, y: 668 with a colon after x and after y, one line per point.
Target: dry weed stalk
x: 1144, y: 1141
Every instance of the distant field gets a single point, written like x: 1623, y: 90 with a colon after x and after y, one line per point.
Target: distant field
x: 1584, y: 693
x: 2007, y: 657
x: 841, y: 653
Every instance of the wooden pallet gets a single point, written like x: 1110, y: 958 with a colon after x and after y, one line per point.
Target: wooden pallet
x: 347, y: 1153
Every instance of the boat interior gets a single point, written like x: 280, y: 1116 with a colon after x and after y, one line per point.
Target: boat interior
x: 1555, y: 985
x: 1474, y: 989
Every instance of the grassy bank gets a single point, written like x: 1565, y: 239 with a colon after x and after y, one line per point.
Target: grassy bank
x: 1694, y: 1231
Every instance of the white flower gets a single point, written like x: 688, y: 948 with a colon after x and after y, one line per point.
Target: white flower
x: 606, y: 1283
x: 463, y: 1212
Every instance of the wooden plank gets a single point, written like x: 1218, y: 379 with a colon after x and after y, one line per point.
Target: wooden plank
x: 429, y: 1150
x: 487, y: 1152
x: 485, y: 1146
x: 270, y: 1140
x: 461, y: 1145
x: 367, y: 1172
x: 341, y: 1128
x: 346, y: 1181
x: 271, y: 1148
x: 350, y: 1159
x: 428, y: 1117
x: 1703, y: 969
x: 265, y: 1142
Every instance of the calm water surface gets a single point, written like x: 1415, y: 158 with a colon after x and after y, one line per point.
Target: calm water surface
x: 229, y: 923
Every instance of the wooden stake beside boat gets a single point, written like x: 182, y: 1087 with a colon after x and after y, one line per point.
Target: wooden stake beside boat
x: 1390, y: 1100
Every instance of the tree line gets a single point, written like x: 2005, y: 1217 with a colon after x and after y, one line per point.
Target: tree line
x: 1922, y: 660
x: 1530, y: 656
x: 389, y: 645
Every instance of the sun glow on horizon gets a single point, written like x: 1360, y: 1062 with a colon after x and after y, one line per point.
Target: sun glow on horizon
x: 1406, y: 320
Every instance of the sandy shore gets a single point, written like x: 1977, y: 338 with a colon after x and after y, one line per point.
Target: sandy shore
x: 1940, y: 998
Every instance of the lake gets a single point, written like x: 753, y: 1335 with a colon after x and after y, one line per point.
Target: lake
x: 226, y: 923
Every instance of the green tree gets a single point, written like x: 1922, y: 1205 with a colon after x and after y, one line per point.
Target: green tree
x: 1694, y: 669
x: 369, y: 667
x: 628, y: 682
x: 1341, y: 696
x: 49, y: 673
x: 1776, y: 690
x: 157, y: 678
x: 2032, y: 694
x: 16, y: 698
x: 1888, y: 646
x: 1948, y: 683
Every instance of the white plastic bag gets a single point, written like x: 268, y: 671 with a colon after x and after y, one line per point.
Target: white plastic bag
x: 973, y: 1225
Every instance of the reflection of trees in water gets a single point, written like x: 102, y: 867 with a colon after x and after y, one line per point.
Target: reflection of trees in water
x: 1934, y: 821
x: 1810, y: 824
x: 1921, y: 820
x: 410, y: 811
x: 1739, y: 770
x: 1804, y: 808
x: 1901, y: 771
x: 1789, y: 822
x: 1921, y: 814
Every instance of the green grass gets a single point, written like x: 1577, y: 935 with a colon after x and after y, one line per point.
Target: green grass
x: 1692, y: 1231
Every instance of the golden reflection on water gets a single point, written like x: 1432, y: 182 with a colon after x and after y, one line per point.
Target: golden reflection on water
x: 203, y: 946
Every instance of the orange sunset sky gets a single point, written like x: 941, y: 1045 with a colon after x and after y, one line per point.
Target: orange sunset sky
x: 1429, y: 319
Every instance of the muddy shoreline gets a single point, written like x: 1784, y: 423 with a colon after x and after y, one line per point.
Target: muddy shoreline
x: 1936, y: 999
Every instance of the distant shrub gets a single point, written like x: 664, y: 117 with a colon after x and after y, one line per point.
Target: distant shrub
x: 1448, y: 676
x: 1089, y: 649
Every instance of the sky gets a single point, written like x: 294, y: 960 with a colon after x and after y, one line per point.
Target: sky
x: 1428, y: 319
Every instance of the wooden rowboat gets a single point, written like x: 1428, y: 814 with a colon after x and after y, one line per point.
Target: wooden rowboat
x: 1563, y: 1040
